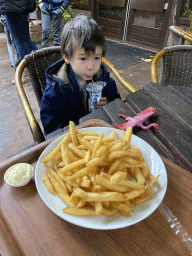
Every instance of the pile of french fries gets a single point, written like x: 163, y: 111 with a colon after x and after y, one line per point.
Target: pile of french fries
x: 95, y: 175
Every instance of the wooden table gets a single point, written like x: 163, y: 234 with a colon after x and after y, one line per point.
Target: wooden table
x: 28, y: 227
x: 173, y: 114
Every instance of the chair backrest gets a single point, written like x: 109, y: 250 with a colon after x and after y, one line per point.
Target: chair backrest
x: 38, y: 61
x: 176, y: 66
x: 36, y: 65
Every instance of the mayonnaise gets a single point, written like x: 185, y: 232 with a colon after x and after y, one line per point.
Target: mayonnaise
x: 18, y: 174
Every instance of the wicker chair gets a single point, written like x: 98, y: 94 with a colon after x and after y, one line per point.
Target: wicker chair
x: 175, y: 68
x: 36, y: 64
x: 179, y: 36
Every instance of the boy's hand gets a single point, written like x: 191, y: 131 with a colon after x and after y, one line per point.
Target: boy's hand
x: 102, y: 102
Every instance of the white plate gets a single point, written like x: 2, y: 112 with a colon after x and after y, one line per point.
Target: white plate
x: 140, y: 212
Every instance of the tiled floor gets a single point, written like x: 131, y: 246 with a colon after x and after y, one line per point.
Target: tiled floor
x: 14, y: 130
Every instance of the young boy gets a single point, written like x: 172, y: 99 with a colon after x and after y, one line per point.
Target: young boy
x: 65, y: 97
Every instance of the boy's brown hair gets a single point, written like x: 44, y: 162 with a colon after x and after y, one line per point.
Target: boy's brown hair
x: 82, y: 31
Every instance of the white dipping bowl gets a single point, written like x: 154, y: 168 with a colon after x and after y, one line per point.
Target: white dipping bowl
x: 19, y: 184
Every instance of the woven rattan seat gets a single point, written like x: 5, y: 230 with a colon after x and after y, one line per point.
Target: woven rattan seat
x: 175, y: 68
x: 36, y: 63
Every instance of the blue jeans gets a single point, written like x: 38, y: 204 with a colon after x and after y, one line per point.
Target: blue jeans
x: 18, y: 26
x: 46, y: 17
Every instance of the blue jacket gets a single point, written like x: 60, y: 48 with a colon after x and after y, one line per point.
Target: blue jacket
x: 64, y: 100
x: 55, y: 4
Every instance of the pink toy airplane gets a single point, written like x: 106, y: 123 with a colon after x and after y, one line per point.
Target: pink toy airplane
x: 137, y: 120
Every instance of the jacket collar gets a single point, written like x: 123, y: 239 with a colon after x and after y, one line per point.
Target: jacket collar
x: 61, y: 75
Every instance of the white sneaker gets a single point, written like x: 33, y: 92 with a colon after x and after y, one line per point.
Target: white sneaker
x: 25, y: 78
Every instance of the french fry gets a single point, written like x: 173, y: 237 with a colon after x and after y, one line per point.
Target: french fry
x: 97, y: 145
x: 98, y: 188
x: 56, y: 158
x: 136, y: 172
x: 107, y: 184
x: 154, y: 180
x: 73, y: 157
x: 124, y: 208
x: 88, y: 156
x: 145, y: 170
x: 107, y: 140
x: 91, y: 137
x: 60, y: 192
x: 65, y: 155
x: 78, y: 211
x: 70, y: 184
x: 72, y: 166
x: 133, y: 194
x: 85, y: 143
x: 52, y: 154
x: 118, y: 146
x: 131, y: 184
x: 122, y: 153
x: 98, y: 208
x: 56, y: 176
x: 125, y: 213
x: 81, y: 147
x: 143, y: 197
x: 81, y: 203
x: 130, y: 162
x: 79, y: 153
x: 112, y: 135
x: 86, y: 183
x: 81, y: 173
x: 109, y: 213
x: 47, y: 183
x: 114, y: 166
x: 117, y: 177
x: 94, y: 162
x: 84, y: 133
x: 123, y: 134
x: 94, y: 175
x: 101, y: 196
x: 102, y: 150
x: 73, y: 133
x: 128, y: 135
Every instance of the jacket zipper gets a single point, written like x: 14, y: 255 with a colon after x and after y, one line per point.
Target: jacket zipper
x: 49, y: 4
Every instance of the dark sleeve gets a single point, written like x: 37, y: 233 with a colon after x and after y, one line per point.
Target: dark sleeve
x: 53, y: 110
x: 110, y: 91
x: 66, y: 3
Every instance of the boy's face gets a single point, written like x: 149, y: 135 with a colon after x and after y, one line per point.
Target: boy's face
x: 85, y: 65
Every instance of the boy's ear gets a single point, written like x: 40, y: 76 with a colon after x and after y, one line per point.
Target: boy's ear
x: 66, y: 59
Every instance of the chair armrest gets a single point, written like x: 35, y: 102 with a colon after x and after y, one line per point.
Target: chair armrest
x: 154, y: 78
x: 33, y: 124
x: 185, y: 33
x: 180, y: 35
x: 120, y: 78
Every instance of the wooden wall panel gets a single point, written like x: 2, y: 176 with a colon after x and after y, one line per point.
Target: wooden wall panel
x: 118, y: 3
x: 145, y: 31
x: 148, y: 5
x: 144, y: 40
x: 111, y: 31
x: 109, y: 23
x: 77, y: 4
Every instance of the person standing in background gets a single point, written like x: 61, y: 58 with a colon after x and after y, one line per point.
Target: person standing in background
x: 51, y: 11
x: 17, y: 18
